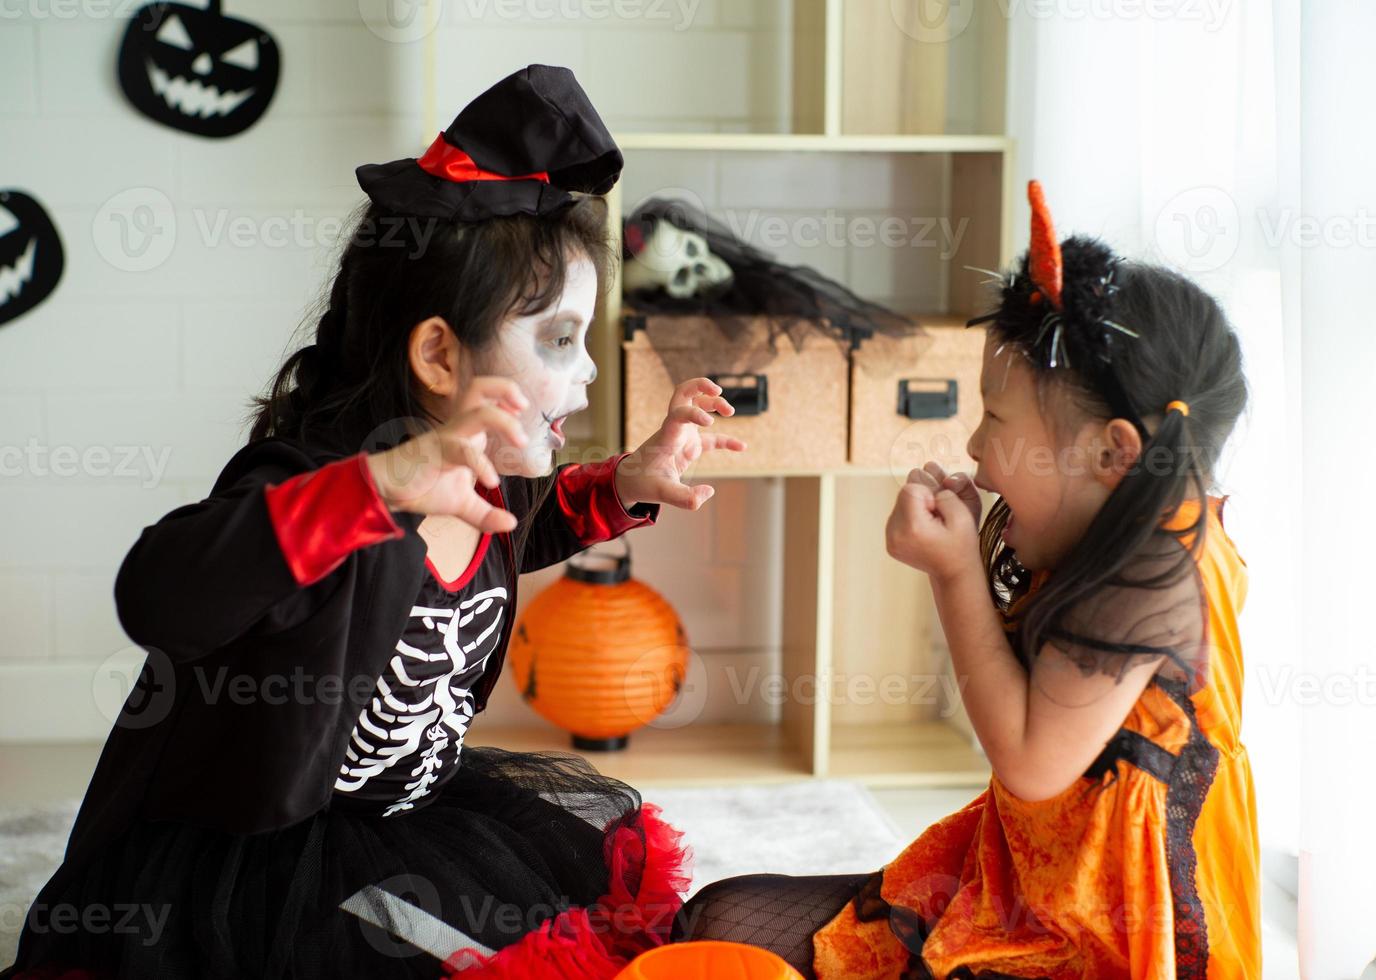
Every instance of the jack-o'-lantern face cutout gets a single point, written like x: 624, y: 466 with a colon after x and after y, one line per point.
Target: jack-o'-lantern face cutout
x: 30, y: 254
x: 197, y: 70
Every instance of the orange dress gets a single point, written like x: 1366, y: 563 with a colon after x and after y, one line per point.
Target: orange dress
x: 1146, y: 867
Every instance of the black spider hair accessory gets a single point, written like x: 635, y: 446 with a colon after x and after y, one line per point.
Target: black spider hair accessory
x: 1057, y: 306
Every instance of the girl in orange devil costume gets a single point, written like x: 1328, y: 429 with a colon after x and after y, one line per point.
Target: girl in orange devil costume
x: 1092, y: 617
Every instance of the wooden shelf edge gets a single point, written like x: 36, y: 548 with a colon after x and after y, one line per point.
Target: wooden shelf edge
x: 928, y: 753
x: 694, y: 755
x: 973, y: 779
x: 814, y: 143
x: 840, y: 470
x: 844, y: 469
x: 921, y: 754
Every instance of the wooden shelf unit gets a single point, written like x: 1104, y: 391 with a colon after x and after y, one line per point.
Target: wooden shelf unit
x: 847, y: 608
x: 823, y: 648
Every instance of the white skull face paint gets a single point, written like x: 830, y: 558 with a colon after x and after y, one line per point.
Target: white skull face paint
x: 546, y: 354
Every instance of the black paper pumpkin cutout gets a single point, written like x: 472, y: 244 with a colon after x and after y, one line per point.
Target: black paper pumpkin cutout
x: 196, y: 70
x: 30, y: 254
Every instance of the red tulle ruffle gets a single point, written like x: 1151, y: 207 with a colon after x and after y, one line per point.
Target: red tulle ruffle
x: 648, y: 872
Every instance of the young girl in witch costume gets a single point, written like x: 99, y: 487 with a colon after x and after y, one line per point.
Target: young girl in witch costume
x: 1092, y: 619
x: 284, y: 793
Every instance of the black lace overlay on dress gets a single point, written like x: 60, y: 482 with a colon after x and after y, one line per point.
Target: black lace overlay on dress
x: 1154, y: 610
x: 1187, y: 777
x: 1189, y: 785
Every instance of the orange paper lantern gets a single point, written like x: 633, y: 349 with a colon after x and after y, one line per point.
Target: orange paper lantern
x: 598, y: 653
x: 709, y: 960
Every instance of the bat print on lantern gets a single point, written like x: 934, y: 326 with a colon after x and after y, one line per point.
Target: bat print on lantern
x: 196, y: 70
x: 30, y: 254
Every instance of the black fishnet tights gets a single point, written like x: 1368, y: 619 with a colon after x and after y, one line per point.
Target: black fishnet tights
x: 778, y: 912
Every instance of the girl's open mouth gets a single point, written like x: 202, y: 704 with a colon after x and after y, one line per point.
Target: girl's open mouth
x: 556, y: 427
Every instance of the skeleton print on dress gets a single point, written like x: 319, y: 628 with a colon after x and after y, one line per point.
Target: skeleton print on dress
x: 409, y: 736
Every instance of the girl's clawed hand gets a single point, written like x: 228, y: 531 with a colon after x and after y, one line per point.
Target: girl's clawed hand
x: 438, y: 472
x: 934, y: 526
x: 961, y: 484
x: 654, y: 472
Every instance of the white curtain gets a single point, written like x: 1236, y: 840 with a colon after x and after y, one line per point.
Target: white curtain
x: 1338, y: 860
x: 1173, y: 130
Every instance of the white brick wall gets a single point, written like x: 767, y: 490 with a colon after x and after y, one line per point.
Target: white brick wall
x: 166, y: 358
x: 161, y: 360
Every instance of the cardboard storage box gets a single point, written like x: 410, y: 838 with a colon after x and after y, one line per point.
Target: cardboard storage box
x: 791, y: 401
x: 916, y: 398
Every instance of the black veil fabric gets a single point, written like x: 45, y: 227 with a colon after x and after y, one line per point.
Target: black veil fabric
x: 1153, y: 609
x: 1131, y: 620
x: 791, y: 295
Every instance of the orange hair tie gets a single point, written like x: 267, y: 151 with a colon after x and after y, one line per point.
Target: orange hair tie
x: 1183, y: 408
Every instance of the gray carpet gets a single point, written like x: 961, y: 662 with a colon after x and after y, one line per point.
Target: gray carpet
x: 31, y: 845
x: 822, y: 827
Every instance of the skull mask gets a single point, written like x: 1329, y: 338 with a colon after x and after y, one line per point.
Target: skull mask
x: 675, y: 260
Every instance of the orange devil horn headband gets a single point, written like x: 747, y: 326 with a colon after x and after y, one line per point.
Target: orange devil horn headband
x: 1044, y: 255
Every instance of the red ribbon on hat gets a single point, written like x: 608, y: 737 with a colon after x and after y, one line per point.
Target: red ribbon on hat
x: 451, y: 163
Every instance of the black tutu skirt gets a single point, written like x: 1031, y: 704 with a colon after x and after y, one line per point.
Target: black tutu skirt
x: 521, y: 865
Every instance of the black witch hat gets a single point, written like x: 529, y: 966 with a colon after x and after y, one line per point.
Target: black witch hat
x: 524, y: 146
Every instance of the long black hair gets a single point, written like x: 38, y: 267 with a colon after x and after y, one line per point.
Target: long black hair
x: 352, y: 387
x: 1132, y: 338
x: 394, y: 272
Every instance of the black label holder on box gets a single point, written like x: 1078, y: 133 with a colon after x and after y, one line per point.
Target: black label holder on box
x: 747, y: 393
x: 915, y: 402
x: 630, y: 323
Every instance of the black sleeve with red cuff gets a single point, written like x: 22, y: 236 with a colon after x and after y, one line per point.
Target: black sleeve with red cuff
x: 574, y: 509
x: 260, y: 553
x: 323, y: 516
x: 265, y: 550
